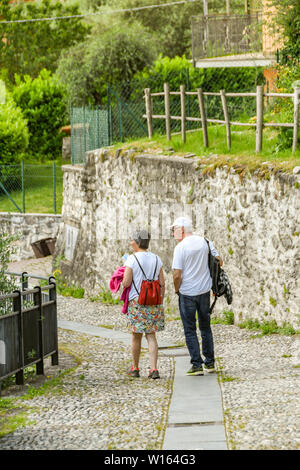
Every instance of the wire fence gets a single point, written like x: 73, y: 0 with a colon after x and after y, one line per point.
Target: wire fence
x: 31, y: 188
x: 121, y: 118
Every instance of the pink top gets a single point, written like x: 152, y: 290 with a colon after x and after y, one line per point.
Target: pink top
x: 115, y: 284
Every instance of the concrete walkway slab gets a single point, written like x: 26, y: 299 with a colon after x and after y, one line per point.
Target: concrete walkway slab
x: 195, y: 420
x: 196, y: 413
x: 209, y: 437
x: 107, y: 333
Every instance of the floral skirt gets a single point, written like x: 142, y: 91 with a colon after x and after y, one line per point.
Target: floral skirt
x: 145, y: 318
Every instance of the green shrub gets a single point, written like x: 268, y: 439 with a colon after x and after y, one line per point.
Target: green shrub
x: 180, y: 71
x: 283, y: 108
x: 7, y: 284
x: 14, y: 134
x: 42, y: 102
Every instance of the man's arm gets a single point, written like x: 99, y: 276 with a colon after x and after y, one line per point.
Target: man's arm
x: 177, y: 278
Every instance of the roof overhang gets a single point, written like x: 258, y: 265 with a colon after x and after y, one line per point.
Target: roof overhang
x: 240, y: 60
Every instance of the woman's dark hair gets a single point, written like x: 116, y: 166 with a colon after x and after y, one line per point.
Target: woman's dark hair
x: 142, y: 238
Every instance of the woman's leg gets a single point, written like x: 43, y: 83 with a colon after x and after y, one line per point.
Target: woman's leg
x: 153, y: 349
x: 136, y: 348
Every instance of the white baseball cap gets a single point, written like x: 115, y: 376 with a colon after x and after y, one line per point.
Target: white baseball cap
x: 182, y: 222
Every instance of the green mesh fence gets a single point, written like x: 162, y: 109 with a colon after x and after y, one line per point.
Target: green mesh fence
x: 89, y: 131
x: 31, y: 188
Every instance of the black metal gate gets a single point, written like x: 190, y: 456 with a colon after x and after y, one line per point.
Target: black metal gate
x: 28, y: 328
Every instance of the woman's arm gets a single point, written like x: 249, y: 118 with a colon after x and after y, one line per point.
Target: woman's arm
x: 127, y: 278
x: 161, y: 280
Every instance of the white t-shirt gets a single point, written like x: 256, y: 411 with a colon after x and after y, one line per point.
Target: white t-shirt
x: 191, y: 256
x: 147, y: 260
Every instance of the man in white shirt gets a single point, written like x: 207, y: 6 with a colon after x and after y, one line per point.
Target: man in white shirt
x: 192, y: 282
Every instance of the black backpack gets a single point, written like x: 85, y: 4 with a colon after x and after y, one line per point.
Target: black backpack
x: 220, y: 281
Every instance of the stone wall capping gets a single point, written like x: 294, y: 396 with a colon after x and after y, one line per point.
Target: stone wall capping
x: 73, y: 168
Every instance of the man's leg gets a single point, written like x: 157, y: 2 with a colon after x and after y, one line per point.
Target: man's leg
x: 187, y: 308
x: 205, y: 328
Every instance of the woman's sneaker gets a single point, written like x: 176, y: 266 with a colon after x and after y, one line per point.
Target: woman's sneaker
x: 133, y: 372
x: 209, y: 367
x: 153, y: 374
x: 195, y: 370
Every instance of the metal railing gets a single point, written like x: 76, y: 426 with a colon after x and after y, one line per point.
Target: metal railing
x: 220, y: 35
x: 28, y: 328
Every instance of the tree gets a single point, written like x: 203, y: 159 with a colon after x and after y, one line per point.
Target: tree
x: 42, y: 102
x: 287, y: 24
x: 169, y: 26
x: 27, y: 48
x: 14, y: 135
x: 108, y: 58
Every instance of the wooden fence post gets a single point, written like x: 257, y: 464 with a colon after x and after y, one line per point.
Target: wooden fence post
x: 167, y: 110
x: 148, y: 112
x: 259, y: 117
x: 182, y: 104
x: 296, y: 118
x: 226, y: 117
x: 203, y: 116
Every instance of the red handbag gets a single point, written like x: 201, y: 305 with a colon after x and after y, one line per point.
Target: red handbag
x: 150, y: 289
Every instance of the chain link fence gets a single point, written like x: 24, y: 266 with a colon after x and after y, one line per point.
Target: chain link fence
x: 31, y: 188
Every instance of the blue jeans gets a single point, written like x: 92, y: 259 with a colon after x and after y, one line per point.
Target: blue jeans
x: 188, y: 305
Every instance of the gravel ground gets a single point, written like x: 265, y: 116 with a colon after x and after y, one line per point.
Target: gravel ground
x: 92, y: 404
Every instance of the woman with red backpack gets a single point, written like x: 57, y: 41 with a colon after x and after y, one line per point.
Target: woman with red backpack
x: 144, y: 273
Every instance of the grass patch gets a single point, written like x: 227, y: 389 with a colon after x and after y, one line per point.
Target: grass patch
x: 106, y: 297
x: 269, y: 327
x: 241, y: 156
x: 39, y: 194
x: 65, y: 289
x: 12, y: 416
x: 225, y: 318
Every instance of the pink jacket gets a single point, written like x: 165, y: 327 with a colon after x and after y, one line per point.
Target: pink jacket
x: 115, y: 284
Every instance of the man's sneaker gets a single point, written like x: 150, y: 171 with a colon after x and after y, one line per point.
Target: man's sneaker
x: 209, y: 367
x: 133, y: 372
x: 195, y: 370
x: 153, y: 374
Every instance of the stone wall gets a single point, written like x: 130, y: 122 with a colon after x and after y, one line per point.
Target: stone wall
x: 252, y: 221
x: 30, y: 228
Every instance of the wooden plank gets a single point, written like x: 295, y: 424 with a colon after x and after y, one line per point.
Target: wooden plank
x: 217, y: 121
x: 167, y: 110
x: 279, y: 95
x: 182, y: 106
x: 203, y: 116
x: 296, y: 119
x: 259, y: 117
x: 148, y: 112
x: 278, y: 124
x: 226, y: 116
x: 193, y: 119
